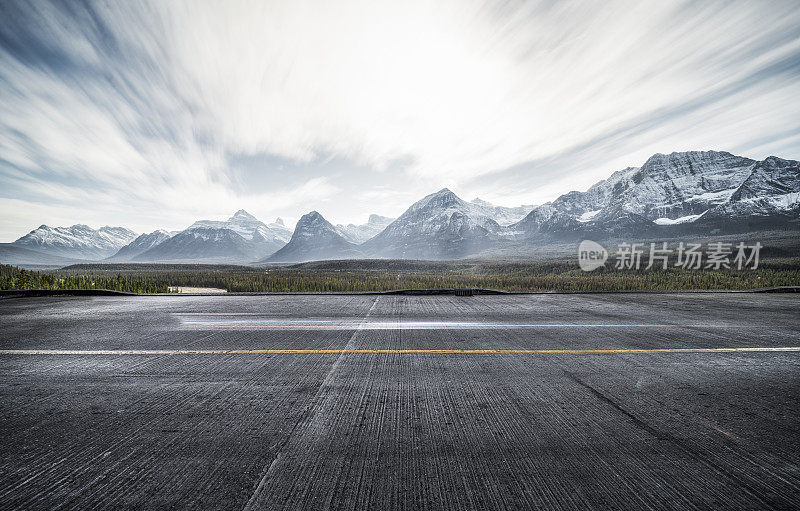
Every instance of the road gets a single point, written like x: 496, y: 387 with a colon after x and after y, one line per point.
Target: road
x: 682, y: 401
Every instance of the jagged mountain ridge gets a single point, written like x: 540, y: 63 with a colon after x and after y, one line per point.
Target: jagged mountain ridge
x: 698, y: 191
x: 77, y: 241
x: 691, y: 192
x: 140, y: 245
x: 439, y: 226
x: 501, y: 214
x: 241, y: 238
x: 360, y: 233
x: 315, y: 239
x: 249, y: 228
x: 281, y: 231
x: 201, y: 244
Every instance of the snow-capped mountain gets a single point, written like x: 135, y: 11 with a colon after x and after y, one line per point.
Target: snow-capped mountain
x: 440, y: 226
x: 361, y: 233
x: 202, y: 244
x: 315, y: 239
x: 250, y: 228
x: 690, y: 189
x: 280, y: 230
x: 240, y: 239
x: 141, y: 244
x: 695, y: 193
x: 78, y: 241
x: 501, y: 214
x: 770, y: 193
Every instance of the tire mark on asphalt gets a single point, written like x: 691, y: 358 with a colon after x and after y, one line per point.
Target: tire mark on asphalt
x: 663, y: 435
x: 311, y: 409
x: 80, y: 456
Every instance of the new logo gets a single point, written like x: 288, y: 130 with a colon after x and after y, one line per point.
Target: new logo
x: 591, y: 255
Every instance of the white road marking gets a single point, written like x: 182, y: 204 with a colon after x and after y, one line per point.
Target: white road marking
x: 229, y: 321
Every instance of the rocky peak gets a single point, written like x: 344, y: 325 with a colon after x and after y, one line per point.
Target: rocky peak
x: 242, y: 215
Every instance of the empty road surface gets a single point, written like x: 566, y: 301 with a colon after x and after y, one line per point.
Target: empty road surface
x: 604, y: 401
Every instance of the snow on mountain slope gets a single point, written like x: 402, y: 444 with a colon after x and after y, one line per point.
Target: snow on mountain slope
x: 282, y: 232
x: 771, y: 189
x: 202, y: 244
x: 77, y: 241
x: 361, y: 233
x: 675, y: 189
x: 315, y: 239
x: 676, y: 221
x: 589, y: 215
x: 689, y: 192
x: 439, y: 226
x: 683, y: 184
x: 247, y: 226
x: 240, y: 239
x: 139, y: 245
x: 773, y: 178
x: 501, y: 214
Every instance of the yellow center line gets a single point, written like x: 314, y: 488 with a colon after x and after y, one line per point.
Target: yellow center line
x: 396, y: 351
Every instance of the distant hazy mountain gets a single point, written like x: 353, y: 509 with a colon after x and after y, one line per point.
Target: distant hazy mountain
x: 688, y: 192
x: 201, y: 244
x: 361, y: 233
x: 251, y: 228
x: 501, y: 214
x: 140, y: 245
x: 25, y: 257
x: 280, y: 230
x: 77, y: 241
x: 440, y: 226
x: 315, y: 239
x: 241, y: 239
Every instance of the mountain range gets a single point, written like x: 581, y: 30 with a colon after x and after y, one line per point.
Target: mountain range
x: 691, y: 192
x: 698, y: 193
x: 78, y: 241
x: 240, y: 239
x: 360, y: 233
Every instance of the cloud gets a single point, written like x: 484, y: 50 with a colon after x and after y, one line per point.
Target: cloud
x: 123, y: 109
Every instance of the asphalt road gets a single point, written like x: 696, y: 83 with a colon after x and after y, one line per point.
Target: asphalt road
x: 397, y: 402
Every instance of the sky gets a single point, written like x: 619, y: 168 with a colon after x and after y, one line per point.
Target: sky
x: 156, y: 114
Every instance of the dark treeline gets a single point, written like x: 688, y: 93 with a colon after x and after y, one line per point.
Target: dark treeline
x: 15, y: 278
x: 512, y: 276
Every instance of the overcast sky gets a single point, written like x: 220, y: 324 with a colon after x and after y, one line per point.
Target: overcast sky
x: 153, y: 115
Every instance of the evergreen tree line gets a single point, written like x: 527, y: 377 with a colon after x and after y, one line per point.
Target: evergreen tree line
x: 13, y: 278
x: 544, y: 276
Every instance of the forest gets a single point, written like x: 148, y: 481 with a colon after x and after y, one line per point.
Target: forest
x: 345, y: 276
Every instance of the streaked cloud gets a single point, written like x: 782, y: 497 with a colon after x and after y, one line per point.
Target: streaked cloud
x: 156, y: 114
